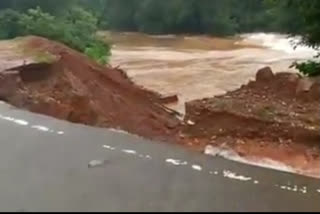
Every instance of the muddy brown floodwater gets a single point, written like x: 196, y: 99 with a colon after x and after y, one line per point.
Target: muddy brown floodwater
x: 196, y: 67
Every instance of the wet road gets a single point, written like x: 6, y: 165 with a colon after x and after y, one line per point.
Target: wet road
x: 44, y: 167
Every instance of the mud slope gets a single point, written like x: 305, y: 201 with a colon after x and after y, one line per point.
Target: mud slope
x: 277, y: 106
x: 276, y: 117
x: 74, y: 88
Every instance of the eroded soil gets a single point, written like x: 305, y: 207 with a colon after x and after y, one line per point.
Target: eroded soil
x: 275, y: 117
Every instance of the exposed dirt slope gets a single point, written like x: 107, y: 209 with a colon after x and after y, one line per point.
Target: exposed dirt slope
x: 77, y: 89
x: 274, y: 106
x: 276, y: 117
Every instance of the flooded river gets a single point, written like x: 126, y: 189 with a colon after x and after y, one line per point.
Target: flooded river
x: 196, y: 67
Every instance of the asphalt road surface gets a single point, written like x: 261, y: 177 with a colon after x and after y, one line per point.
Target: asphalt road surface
x: 51, y: 165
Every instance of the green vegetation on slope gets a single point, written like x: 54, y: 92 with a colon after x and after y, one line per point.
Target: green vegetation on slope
x: 76, y: 28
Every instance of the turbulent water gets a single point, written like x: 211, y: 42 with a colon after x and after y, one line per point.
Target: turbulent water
x: 196, y: 67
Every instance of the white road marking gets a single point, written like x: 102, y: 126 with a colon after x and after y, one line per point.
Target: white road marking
x: 197, y: 167
x: 176, y: 162
x: 129, y: 151
x: 21, y: 122
x: 232, y: 175
x: 109, y: 147
x: 41, y: 128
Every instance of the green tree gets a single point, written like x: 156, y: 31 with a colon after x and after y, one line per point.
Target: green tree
x: 310, y: 13
x: 10, y: 26
x: 77, y: 29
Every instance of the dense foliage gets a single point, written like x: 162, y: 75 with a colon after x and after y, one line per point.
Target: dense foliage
x: 217, y: 17
x: 309, y: 11
x: 76, y: 28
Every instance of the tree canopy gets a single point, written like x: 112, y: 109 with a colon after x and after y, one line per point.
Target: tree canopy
x: 216, y: 17
x: 64, y: 20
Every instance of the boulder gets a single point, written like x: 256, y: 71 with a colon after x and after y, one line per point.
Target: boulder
x: 264, y: 74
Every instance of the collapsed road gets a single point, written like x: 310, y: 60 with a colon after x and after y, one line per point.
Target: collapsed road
x: 46, y: 77
x: 52, y: 165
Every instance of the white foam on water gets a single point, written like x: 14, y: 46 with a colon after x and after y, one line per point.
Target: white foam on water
x: 318, y: 190
x: 281, y: 42
x: 133, y: 152
x: 176, y: 162
x: 197, y: 167
x: 60, y: 132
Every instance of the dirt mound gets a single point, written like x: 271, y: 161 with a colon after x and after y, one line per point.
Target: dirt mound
x: 276, y: 117
x: 271, y: 107
x: 76, y: 89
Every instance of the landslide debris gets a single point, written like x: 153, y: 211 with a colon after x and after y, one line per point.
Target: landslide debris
x: 275, y: 106
x: 75, y: 88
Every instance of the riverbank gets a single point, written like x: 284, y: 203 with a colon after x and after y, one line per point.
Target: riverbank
x: 196, y: 67
x: 71, y: 87
x: 272, y: 121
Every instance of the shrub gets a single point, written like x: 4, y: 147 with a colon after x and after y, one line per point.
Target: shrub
x: 309, y: 68
x: 79, y: 28
x: 98, y: 51
x: 76, y: 29
x: 39, y: 23
x: 10, y: 26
